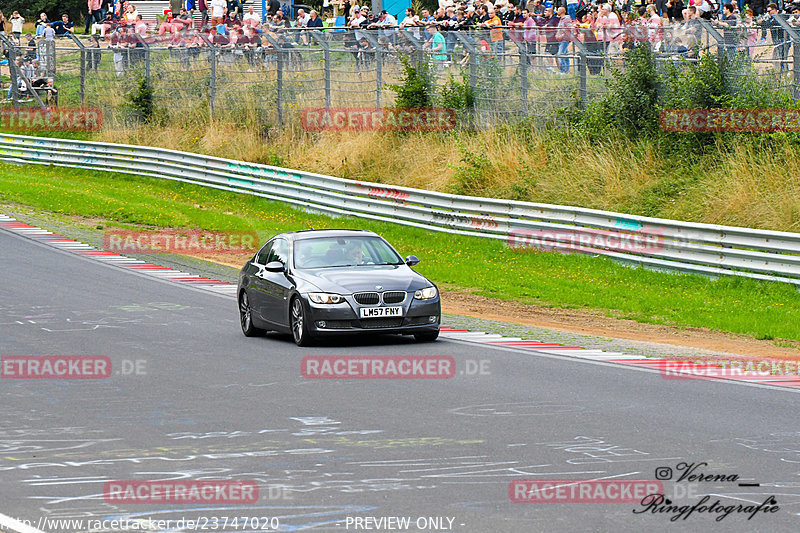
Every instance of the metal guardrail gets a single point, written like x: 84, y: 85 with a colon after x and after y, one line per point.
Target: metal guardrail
x: 668, y: 244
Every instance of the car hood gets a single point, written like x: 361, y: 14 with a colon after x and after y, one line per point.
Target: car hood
x: 364, y: 278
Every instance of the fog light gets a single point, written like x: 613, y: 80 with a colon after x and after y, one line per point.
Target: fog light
x: 321, y: 324
x: 432, y: 319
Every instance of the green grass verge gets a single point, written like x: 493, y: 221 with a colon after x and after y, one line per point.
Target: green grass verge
x: 489, y: 268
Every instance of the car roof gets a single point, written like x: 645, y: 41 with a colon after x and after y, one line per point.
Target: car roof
x: 317, y: 233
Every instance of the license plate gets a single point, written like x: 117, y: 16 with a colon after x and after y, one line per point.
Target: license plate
x: 379, y: 312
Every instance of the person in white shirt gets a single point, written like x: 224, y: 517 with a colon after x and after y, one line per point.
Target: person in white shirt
x: 218, y: 8
x: 301, y: 22
x: 251, y: 18
x: 16, y: 25
x: 302, y: 18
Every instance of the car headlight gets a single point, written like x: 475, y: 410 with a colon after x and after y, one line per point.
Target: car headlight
x: 425, y: 294
x: 325, y: 298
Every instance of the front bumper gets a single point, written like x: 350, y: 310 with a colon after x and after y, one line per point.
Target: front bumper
x: 419, y: 316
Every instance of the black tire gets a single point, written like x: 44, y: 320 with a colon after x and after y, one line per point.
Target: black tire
x: 428, y: 336
x: 298, y: 323
x: 246, y: 317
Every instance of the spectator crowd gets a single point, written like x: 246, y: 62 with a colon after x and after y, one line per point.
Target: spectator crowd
x: 548, y: 33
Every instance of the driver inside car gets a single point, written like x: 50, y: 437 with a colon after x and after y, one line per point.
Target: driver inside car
x: 355, y: 256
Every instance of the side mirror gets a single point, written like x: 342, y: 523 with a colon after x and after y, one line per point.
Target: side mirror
x: 274, y: 266
x: 412, y: 260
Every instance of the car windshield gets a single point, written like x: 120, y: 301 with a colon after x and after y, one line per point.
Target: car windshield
x: 329, y: 252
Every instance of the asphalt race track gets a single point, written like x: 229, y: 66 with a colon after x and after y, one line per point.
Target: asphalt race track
x: 190, y: 398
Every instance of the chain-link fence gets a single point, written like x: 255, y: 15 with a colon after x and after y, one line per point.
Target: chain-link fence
x: 266, y: 79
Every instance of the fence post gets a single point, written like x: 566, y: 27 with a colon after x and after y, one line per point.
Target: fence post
x: 83, y: 65
x: 378, y: 66
x: 419, y: 51
x: 523, y: 72
x: 794, y: 35
x: 12, y: 70
x: 212, y: 81
x: 473, y: 58
x: 279, y: 89
x: 582, y: 52
x: 712, y: 32
x: 326, y: 58
x: 146, y: 58
x: 18, y: 74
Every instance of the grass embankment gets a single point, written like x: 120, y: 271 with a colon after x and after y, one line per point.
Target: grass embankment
x: 489, y: 268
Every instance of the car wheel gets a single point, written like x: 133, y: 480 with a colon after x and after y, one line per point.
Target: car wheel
x: 246, y: 317
x: 297, y: 320
x: 428, y: 336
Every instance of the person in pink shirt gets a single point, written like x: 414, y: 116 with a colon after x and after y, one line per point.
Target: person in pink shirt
x: 140, y: 26
x: 609, y: 30
x: 656, y: 27
x: 93, y: 14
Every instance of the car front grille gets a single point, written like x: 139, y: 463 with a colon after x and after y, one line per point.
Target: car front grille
x: 418, y: 320
x: 393, y: 297
x: 371, y: 323
x: 367, y: 298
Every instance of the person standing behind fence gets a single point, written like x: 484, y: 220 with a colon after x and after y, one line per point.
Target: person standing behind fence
x: 494, y: 25
x: 780, y: 51
x: 16, y: 26
x: 218, y: 8
x: 31, y: 49
x: 93, y: 54
x: 251, y: 18
x: 564, y: 36
x: 436, y: 44
x: 529, y: 35
x: 729, y: 23
x: 202, y: 7
x: 92, y: 14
